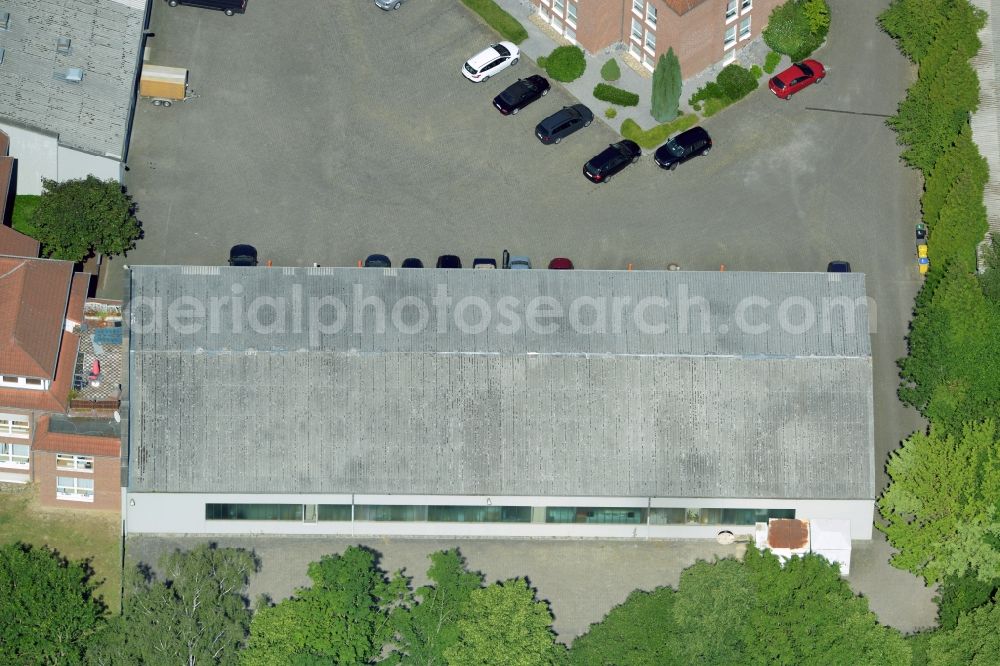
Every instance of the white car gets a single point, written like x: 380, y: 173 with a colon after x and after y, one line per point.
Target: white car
x: 491, y: 61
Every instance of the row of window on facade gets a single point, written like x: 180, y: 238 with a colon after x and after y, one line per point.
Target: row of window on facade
x: 642, y: 45
x: 493, y: 514
x: 14, y: 425
x: 18, y: 455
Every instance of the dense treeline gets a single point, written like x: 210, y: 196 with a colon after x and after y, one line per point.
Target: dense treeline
x: 941, y: 508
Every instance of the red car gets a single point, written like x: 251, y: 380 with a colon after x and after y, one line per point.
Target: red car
x: 796, y: 77
x: 560, y: 264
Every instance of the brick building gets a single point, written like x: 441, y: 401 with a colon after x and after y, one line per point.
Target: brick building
x: 75, y: 461
x: 702, y: 32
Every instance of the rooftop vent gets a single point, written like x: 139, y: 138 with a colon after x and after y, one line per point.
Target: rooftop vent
x: 62, y: 45
x: 4, y: 20
x: 74, y: 74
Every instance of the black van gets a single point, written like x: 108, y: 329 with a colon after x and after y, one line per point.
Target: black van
x: 229, y: 6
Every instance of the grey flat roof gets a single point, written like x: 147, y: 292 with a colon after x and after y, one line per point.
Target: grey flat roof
x: 689, y: 412
x: 105, y: 35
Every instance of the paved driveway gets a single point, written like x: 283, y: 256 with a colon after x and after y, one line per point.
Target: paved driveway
x: 328, y: 131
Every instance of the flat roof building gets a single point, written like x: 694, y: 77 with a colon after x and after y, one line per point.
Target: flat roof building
x: 68, y: 74
x: 506, y: 403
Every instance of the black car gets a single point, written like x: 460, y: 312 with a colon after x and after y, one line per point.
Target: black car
x: 412, y: 262
x: 838, y: 267
x: 243, y: 255
x: 564, y: 122
x: 521, y: 94
x: 449, y: 261
x: 230, y: 7
x: 683, y: 147
x: 377, y: 261
x: 611, y: 160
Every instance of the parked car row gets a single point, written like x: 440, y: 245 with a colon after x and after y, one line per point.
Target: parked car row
x: 513, y: 262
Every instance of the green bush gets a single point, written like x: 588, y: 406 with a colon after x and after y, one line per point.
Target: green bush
x: 606, y: 93
x: 961, y: 594
x: 710, y: 90
x: 771, y: 61
x: 790, y: 28
x: 566, y: 63
x: 610, y: 112
x: 657, y: 135
x: 714, y: 105
x: 736, y: 82
x: 756, y: 71
x: 990, y: 280
x: 541, y: 61
x: 505, y: 24
x: 610, y: 71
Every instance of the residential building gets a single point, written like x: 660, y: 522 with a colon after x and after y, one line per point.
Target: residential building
x: 494, y: 403
x: 70, y: 446
x: 69, y: 70
x: 702, y: 32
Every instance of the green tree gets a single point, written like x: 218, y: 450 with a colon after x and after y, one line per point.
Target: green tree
x: 425, y: 630
x: 941, y: 504
x: 76, y: 218
x: 990, y: 279
x: 817, y: 14
x: 342, y: 618
x: 48, y: 612
x: 666, y: 87
x: 197, y: 614
x: 754, y: 611
x: 952, y: 374
x: 975, y: 641
x: 790, y: 30
x: 917, y: 24
x: 960, y: 594
x: 504, y: 625
x: 639, y: 632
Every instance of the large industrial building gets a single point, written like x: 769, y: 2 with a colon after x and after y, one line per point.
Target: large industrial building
x: 494, y: 403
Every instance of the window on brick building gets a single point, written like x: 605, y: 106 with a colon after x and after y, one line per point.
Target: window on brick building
x: 745, y: 28
x: 651, y: 15
x: 13, y: 425
x: 651, y: 40
x: 636, y: 30
x: 637, y: 6
x: 731, y: 9
x: 730, y: 38
x: 72, y: 488
x: 74, y: 462
x: 14, y: 455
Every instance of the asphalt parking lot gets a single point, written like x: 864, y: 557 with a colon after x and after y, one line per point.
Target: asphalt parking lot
x: 328, y: 131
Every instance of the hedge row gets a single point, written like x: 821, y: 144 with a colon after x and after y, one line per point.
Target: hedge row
x: 606, y: 93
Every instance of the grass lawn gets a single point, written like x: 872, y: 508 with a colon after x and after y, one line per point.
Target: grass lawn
x: 76, y: 534
x: 24, y: 208
x: 660, y: 133
x: 508, y: 26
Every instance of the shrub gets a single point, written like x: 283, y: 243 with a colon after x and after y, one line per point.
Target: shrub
x: 505, y: 24
x: 817, y: 14
x: 714, y: 105
x: 666, y: 87
x: 756, y: 71
x: 736, y: 82
x: 566, y: 63
x: 790, y: 29
x: 710, y: 90
x: 990, y: 280
x: 610, y: 112
x: 606, y: 93
x: 771, y: 61
x: 541, y: 61
x: 610, y: 71
x: 657, y: 135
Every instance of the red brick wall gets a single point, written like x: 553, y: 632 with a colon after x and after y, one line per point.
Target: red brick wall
x: 696, y: 36
x: 106, y: 475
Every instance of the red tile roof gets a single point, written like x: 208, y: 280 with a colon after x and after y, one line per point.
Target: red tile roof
x: 17, y: 244
x: 86, y: 445
x: 683, y: 6
x: 34, y: 294
x: 56, y: 399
